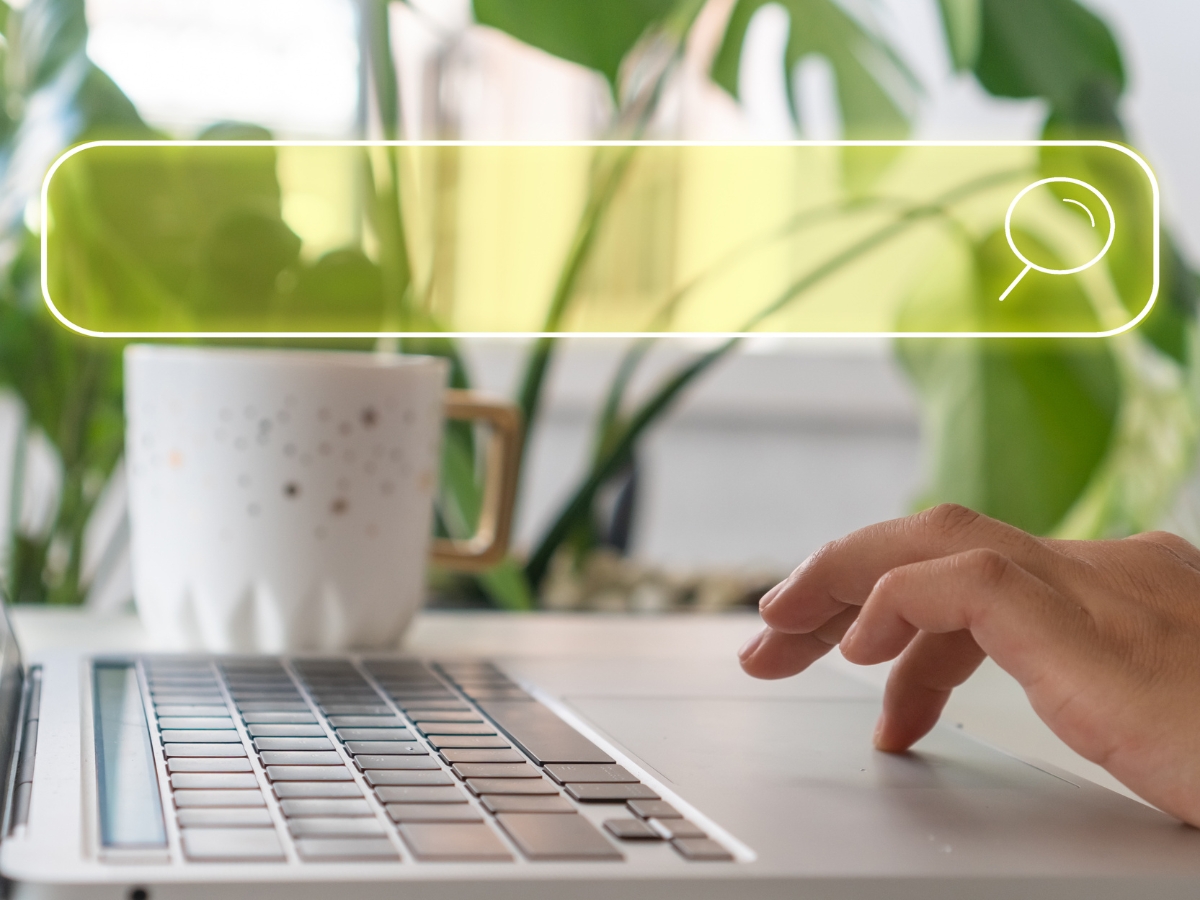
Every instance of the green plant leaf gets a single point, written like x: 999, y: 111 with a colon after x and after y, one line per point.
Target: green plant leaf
x: 874, y: 86
x: 1016, y: 428
x: 1054, y: 49
x: 506, y: 585
x: 49, y: 35
x: 962, y: 22
x: 593, y: 33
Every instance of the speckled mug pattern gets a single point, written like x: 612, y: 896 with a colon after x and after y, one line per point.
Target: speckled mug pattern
x: 280, y: 500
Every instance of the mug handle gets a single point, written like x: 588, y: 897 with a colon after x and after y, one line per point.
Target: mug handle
x: 489, y: 544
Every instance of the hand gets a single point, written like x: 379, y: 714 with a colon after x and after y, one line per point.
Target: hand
x: 1104, y: 636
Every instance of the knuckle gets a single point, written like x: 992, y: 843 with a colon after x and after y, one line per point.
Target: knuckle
x: 949, y: 520
x: 1172, y: 542
x: 991, y: 568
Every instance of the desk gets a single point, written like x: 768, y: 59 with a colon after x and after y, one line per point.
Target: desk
x: 990, y: 706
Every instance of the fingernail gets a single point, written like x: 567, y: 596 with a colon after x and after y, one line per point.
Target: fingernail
x: 769, y: 596
x: 849, y: 635
x: 751, y: 645
x: 878, y: 731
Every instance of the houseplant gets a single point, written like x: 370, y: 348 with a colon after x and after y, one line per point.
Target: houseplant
x: 637, y: 45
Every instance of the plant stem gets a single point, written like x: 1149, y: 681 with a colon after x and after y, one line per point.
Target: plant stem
x: 605, y: 185
x: 580, y: 503
x: 385, y: 196
x: 609, y: 462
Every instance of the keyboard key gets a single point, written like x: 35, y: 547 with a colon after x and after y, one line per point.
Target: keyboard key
x: 468, y: 741
x: 301, y: 758
x: 448, y: 715
x: 338, y: 807
x: 702, y: 849
x: 277, y: 730
x: 346, y: 850
x: 234, y: 844
x: 240, y: 697
x: 211, y: 723
x: 482, y: 695
x: 576, y: 774
x: 429, y: 728
x: 420, y: 794
x: 528, y: 803
x: 445, y: 842
x: 557, y: 837
x: 377, y: 777
x: 208, y: 750
x: 279, y: 718
x: 185, y: 780
x: 631, y: 830
x: 511, y: 786
x: 375, y: 734
x: 356, y: 709
x: 292, y: 743
x: 610, y: 793
x: 215, y: 709
x: 417, y: 707
x: 654, y: 809
x: 175, y: 736
x: 388, y: 721
x: 672, y: 829
x: 174, y: 699
x: 481, y: 756
x: 255, y: 706
x: 335, y: 827
x: 309, y: 773
x: 227, y: 817
x: 496, y: 770
x: 542, y: 734
x: 316, y: 789
x: 222, y: 764
x: 433, y: 812
x: 376, y: 761
x: 385, y: 748
x: 184, y: 799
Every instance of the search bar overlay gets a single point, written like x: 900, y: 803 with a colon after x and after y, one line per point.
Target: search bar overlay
x: 302, y: 239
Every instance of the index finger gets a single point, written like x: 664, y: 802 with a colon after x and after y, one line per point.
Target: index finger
x: 843, y: 572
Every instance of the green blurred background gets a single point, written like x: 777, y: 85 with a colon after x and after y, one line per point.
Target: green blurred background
x: 653, y: 486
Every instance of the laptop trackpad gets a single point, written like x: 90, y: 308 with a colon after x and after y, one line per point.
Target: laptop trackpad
x: 796, y: 742
x: 785, y: 773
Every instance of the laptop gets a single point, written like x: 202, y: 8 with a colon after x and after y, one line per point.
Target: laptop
x: 160, y: 776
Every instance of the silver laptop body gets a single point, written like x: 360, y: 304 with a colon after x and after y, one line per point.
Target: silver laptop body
x: 529, y: 778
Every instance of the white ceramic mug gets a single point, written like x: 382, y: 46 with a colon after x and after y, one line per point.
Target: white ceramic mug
x: 282, y: 500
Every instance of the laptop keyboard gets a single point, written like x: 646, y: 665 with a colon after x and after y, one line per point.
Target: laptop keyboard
x: 326, y: 760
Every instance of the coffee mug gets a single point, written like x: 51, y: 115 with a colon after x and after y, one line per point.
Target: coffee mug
x: 282, y: 500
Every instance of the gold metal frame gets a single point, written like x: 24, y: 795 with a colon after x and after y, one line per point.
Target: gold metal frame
x: 489, y: 544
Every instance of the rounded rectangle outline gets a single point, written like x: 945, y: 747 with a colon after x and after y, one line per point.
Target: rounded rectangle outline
x: 1132, y: 323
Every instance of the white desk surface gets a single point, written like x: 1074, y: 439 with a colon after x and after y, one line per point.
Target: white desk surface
x: 990, y: 706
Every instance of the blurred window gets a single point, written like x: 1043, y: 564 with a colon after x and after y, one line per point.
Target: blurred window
x: 291, y: 65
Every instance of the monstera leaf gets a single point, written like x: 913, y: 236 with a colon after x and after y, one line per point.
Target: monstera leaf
x: 1055, y: 49
x: 593, y: 33
x: 1017, y: 427
x: 874, y: 87
x: 962, y: 20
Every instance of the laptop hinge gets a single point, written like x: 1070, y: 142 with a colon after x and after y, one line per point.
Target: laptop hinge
x: 22, y: 783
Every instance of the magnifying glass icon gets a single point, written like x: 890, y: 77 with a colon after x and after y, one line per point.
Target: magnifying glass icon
x: 1112, y: 230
